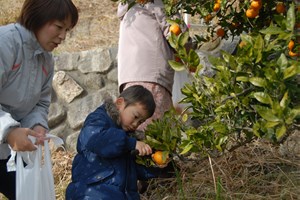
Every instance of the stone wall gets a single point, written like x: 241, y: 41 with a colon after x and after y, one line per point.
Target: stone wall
x: 80, y: 82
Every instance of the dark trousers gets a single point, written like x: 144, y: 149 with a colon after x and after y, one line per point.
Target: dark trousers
x: 8, y: 181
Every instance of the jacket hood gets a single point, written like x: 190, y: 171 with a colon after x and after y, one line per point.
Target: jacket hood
x: 112, y: 110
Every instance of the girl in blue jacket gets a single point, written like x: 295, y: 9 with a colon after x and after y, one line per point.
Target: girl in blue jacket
x: 104, y: 167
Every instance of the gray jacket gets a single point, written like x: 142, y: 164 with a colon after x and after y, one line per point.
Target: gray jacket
x: 26, y: 73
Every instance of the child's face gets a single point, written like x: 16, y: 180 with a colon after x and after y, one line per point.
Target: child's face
x: 131, y: 116
x: 53, y: 33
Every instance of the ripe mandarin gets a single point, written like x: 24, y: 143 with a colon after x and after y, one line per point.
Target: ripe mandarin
x: 157, y: 157
x: 220, y: 32
x: 174, y: 28
x: 251, y: 13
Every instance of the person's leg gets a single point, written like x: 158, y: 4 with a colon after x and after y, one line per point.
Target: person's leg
x: 8, y: 181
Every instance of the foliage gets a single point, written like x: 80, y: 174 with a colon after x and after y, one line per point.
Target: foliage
x: 253, y: 93
x: 163, y: 135
x: 231, y: 16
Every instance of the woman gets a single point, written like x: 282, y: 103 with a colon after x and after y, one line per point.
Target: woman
x: 26, y: 72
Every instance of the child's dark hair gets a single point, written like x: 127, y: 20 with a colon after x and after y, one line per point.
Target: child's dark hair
x: 139, y: 94
x: 36, y: 13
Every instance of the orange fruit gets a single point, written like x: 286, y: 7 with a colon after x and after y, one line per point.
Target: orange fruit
x: 157, y: 157
x: 220, y: 32
x: 174, y: 28
x: 291, y: 45
x: 242, y: 44
x: 292, y: 54
x: 208, y: 18
x: 217, y: 7
x: 252, y: 13
x: 280, y: 8
x: 256, y: 5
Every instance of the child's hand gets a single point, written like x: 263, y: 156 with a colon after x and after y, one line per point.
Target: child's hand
x: 143, y: 148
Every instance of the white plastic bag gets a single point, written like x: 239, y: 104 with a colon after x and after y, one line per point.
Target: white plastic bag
x: 35, y: 180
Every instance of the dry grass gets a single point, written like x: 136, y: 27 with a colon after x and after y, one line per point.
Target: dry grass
x: 256, y: 171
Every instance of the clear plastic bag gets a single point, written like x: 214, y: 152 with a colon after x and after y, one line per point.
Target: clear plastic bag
x: 35, y: 180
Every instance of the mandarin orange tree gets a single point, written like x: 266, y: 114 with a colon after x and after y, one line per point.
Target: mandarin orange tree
x: 254, y: 93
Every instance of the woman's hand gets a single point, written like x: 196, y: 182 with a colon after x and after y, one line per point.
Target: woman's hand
x: 41, y: 134
x: 18, y: 139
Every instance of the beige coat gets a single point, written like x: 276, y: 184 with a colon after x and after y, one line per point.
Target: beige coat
x: 143, y: 48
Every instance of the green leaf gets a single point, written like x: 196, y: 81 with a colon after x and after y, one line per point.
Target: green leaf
x: 242, y: 78
x: 219, y: 127
x: 247, y: 38
x: 257, y: 81
x: 183, y: 38
x: 184, y: 117
x: 263, y: 97
x: 272, y: 30
x: 280, y: 132
x: 266, y: 113
x: 290, y: 72
x: 271, y: 124
x: 282, y: 62
x: 173, y: 41
x: 194, y: 59
x: 294, y: 113
x: 258, y: 45
x: 176, y: 65
x: 187, y: 148
x: 291, y: 18
x: 284, y: 101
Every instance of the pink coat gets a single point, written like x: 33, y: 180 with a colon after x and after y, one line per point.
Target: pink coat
x: 144, y: 51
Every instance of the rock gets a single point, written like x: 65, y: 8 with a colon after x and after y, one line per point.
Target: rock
x: 65, y: 87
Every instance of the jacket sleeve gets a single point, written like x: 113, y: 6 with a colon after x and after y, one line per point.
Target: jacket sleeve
x: 7, y: 49
x: 6, y: 123
x: 99, y: 136
x: 39, y: 114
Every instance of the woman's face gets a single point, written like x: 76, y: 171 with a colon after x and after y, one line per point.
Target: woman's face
x: 53, y: 33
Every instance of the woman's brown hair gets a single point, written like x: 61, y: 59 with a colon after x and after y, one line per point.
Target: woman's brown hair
x: 36, y: 13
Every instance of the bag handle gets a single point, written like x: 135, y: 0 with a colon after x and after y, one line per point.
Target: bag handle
x: 28, y: 156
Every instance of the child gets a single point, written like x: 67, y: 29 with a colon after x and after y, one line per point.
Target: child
x: 26, y: 72
x: 104, y: 167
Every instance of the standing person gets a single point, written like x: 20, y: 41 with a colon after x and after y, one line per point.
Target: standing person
x: 104, y: 167
x: 26, y: 72
x: 144, y: 52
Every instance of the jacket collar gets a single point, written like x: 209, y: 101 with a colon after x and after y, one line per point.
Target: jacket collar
x: 112, y: 110
x: 29, y: 39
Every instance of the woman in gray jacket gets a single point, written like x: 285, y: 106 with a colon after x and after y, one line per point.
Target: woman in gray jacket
x: 26, y: 72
